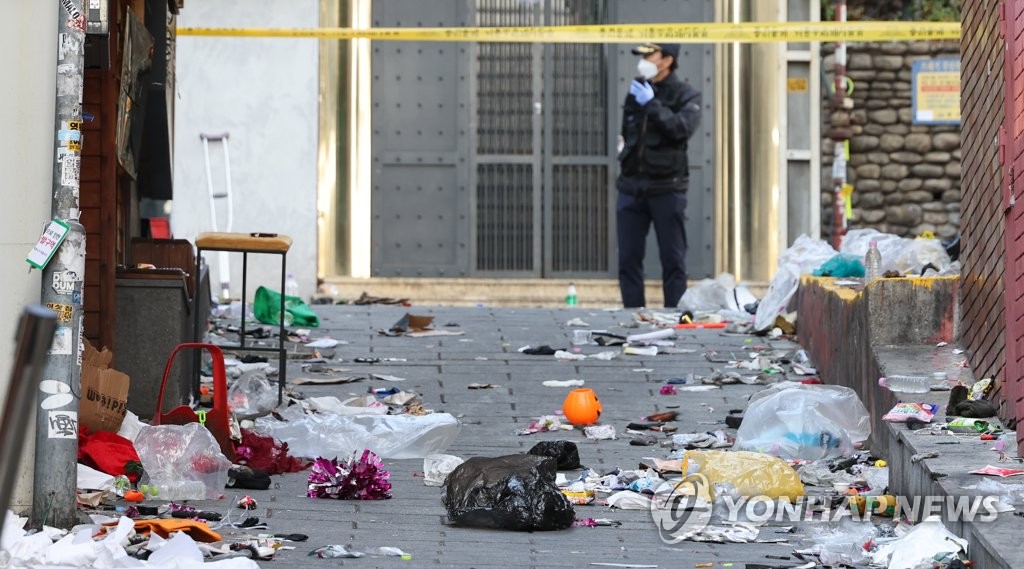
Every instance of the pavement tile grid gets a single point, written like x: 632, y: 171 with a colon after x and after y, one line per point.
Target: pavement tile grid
x: 440, y: 368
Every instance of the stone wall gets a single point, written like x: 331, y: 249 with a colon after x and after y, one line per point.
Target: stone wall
x: 906, y: 177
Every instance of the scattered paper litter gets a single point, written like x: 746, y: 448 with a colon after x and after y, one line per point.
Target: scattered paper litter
x: 801, y: 369
x: 698, y: 388
x: 323, y: 343
x: 645, y: 351
x: 563, y: 383
x: 430, y: 333
x: 92, y: 479
x: 990, y: 470
x: 80, y: 550
x: 385, y: 377
x: 629, y: 500
x: 650, y: 337
x: 577, y: 322
x: 599, y: 432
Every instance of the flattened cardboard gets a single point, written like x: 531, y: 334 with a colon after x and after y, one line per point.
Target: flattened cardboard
x: 104, y: 392
x: 95, y: 358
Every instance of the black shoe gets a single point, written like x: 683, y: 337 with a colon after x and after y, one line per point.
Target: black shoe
x: 247, y: 478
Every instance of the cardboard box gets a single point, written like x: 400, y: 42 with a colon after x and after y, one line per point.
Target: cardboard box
x: 104, y: 392
x: 97, y: 359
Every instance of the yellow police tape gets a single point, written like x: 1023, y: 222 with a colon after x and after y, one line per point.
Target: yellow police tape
x: 746, y: 32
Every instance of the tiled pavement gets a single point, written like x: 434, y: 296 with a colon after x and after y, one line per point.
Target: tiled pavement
x: 440, y: 368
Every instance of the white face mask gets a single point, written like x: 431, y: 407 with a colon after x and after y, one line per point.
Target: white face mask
x: 646, y: 69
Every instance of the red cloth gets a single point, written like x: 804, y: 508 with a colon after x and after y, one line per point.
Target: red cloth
x: 261, y: 452
x: 105, y: 451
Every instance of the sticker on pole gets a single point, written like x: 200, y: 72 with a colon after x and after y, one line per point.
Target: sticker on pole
x: 62, y: 424
x: 47, y: 245
x: 63, y: 311
x: 61, y: 342
x: 58, y: 394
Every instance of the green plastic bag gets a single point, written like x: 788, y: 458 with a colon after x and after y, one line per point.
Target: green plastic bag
x: 842, y: 265
x: 267, y: 305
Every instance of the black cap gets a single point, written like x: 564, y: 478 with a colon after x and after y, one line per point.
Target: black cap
x: 665, y: 48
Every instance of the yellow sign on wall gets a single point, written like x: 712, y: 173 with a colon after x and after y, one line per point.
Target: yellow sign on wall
x: 936, y: 90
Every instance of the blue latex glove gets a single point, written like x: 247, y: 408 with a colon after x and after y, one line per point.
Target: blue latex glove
x: 642, y: 91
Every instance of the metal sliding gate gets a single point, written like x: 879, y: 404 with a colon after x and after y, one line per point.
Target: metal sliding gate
x: 542, y: 152
x: 499, y: 159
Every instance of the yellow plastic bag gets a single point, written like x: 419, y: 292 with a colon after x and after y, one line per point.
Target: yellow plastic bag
x: 752, y: 473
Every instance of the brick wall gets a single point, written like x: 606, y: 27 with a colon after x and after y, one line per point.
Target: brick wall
x: 982, y: 222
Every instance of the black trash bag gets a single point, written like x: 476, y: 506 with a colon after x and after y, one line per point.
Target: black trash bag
x: 515, y: 492
x: 565, y: 452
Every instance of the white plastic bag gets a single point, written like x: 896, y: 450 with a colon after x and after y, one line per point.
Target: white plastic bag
x: 251, y: 395
x: 804, y: 256
x: 905, y: 255
x: 130, y: 426
x: 792, y: 420
x: 390, y: 436
x: 845, y: 544
x: 877, y: 478
x: 363, y: 405
x: 708, y: 295
x: 183, y: 461
x: 919, y: 546
x: 717, y: 295
x: 919, y: 252
x: 780, y: 291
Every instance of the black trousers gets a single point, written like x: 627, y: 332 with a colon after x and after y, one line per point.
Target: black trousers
x: 634, y: 215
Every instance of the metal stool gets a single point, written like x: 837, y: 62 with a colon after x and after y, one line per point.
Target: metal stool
x: 245, y: 243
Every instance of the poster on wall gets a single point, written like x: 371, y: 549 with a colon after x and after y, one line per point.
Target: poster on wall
x: 935, y: 85
x: 138, y: 47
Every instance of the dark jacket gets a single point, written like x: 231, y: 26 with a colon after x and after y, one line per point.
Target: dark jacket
x: 653, y: 160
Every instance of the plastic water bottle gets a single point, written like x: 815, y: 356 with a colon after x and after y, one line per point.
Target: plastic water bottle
x: 906, y: 383
x: 180, y: 490
x: 872, y: 262
x: 291, y: 286
x: 570, y: 296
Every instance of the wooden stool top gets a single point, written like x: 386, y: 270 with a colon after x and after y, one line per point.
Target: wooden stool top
x: 244, y: 242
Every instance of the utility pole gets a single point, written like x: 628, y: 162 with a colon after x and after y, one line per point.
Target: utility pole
x: 841, y: 135
x: 55, y: 481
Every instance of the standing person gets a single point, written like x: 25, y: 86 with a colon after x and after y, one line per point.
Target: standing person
x: 659, y: 116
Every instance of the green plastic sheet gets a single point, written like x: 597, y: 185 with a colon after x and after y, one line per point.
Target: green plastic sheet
x: 267, y: 307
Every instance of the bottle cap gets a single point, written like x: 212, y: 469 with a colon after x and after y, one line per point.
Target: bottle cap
x: 872, y: 243
x: 881, y: 381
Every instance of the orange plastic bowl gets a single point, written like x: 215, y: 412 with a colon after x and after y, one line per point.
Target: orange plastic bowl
x: 581, y: 406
